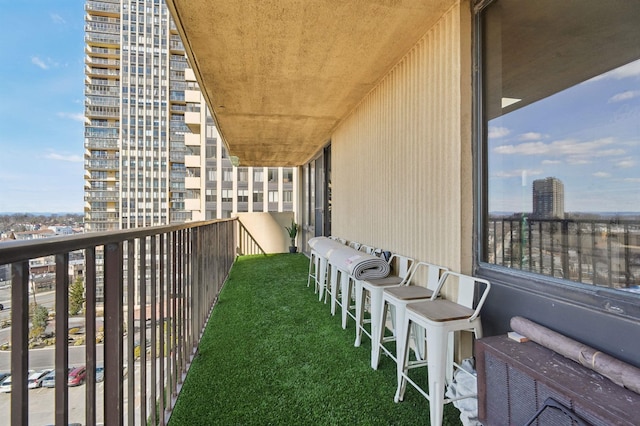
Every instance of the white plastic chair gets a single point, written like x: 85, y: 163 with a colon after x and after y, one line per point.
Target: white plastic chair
x: 440, y: 318
x: 394, y: 302
x: 402, y: 266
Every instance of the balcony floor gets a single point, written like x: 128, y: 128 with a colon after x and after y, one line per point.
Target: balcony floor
x: 273, y: 354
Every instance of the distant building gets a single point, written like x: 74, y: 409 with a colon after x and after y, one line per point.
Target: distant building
x: 548, y: 198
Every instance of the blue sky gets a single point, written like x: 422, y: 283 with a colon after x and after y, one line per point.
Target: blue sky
x: 588, y: 136
x: 41, y: 105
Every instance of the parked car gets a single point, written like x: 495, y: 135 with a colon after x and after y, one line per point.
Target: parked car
x: 99, y: 373
x: 35, y: 379
x: 77, y: 376
x: 5, y: 386
x: 49, y: 380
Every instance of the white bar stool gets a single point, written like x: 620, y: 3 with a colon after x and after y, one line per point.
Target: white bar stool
x: 402, y: 266
x: 395, y: 300
x: 314, y: 265
x: 440, y: 318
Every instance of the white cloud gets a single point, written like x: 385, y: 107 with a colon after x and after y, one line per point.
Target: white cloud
x: 498, y: 132
x: 626, y: 163
x: 59, y: 157
x: 39, y: 63
x: 531, y: 136
x: 624, y: 96
x: 602, y: 175
x: 577, y: 152
x: 578, y: 161
x: 632, y: 180
x: 57, y: 18
x: 76, y: 116
x: 632, y: 69
x: 517, y: 173
x: 551, y: 162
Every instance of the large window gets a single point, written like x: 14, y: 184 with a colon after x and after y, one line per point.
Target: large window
x: 560, y: 108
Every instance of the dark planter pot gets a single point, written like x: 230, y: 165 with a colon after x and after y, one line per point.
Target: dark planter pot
x: 293, y: 249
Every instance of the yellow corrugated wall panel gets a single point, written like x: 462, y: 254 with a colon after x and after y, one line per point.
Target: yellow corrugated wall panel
x: 401, y: 162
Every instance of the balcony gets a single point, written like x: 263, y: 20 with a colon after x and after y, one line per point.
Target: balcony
x: 271, y: 351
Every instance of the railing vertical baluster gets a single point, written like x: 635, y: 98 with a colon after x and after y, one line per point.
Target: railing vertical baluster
x: 131, y: 361
x: 510, y: 243
x: 90, y: 333
x: 180, y: 300
x: 113, y: 365
x: 609, y: 265
x: 154, y: 324
x: 593, y: 252
x: 541, y: 245
x: 579, y: 250
x: 177, y: 311
x: 142, y: 322
x: 530, y: 243
x: 502, y: 238
x: 174, y: 341
x: 552, y: 249
x: 564, y: 250
x: 19, y: 342
x: 164, y: 271
x: 62, y: 339
x: 627, y: 256
x: 196, y: 294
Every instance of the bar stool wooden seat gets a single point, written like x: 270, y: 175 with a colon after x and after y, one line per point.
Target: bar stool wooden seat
x: 394, y: 302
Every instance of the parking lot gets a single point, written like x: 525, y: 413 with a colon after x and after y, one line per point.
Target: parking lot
x: 42, y: 408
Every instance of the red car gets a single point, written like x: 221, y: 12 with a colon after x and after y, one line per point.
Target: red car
x: 77, y: 376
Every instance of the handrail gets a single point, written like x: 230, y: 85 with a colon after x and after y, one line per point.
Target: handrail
x: 246, y: 237
x: 166, y: 278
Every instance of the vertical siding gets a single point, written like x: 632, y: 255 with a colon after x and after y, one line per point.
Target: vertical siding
x: 401, y: 162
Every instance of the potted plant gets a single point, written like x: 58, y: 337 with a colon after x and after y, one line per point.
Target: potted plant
x: 293, y: 232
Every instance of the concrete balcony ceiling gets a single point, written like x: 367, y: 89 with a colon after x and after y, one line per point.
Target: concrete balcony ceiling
x: 279, y: 75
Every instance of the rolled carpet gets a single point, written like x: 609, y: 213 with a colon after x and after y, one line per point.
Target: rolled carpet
x: 323, y: 245
x: 359, y: 265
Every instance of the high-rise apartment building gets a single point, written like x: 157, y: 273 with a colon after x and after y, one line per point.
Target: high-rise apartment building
x: 548, y: 198
x: 152, y: 153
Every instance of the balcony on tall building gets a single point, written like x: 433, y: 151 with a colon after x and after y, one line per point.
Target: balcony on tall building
x: 386, y: 112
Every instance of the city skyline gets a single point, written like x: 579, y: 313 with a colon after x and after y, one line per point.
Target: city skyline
x: 41, y: 113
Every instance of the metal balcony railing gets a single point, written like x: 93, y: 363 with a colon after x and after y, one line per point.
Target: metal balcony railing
x: 159, y: 284
x: 595, y: 251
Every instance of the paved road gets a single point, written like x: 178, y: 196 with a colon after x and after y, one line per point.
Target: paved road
x: 47, y: 299
x: 40, y: 359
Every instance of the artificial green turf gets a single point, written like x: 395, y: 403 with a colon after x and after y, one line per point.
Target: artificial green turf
x: 273, y: 355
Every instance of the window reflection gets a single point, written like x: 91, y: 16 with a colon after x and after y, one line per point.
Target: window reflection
x: 561, y: 101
